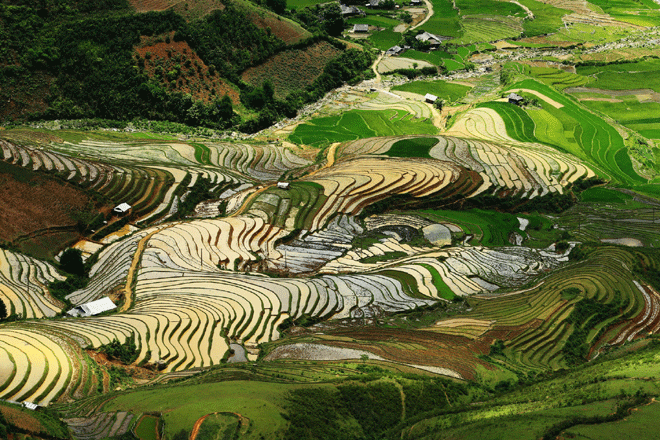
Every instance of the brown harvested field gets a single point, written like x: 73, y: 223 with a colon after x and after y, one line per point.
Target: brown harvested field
x: 285, y: 30
x: 161, y: 58
x: 418, y: 347
x: 38, y: 214
x: 292, y: 69
x: 153, y: 5
x: 21, y: 419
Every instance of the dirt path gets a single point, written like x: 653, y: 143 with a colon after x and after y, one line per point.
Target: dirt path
x: 428, y: 16
x: 197, y: 425
x: 530, y: 14
x: 137, y: 257
x: 374, y: 67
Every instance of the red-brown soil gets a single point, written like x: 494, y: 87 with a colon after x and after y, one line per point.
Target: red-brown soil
x: 21, y: 419
x: 132, y: 370
x: 35, y: 208
x: 192, y: 76
x: 292, y: 69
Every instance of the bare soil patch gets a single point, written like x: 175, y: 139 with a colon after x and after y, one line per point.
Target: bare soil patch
x: 35, y: 209
x: 179, y: 68
x: 138, y: 373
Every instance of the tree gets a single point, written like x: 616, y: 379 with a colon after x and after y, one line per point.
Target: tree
x: 277, y: 6
x: 3, y: 310
x: 333, y: 20
x: 506, y: 77
x: 439, y: 103
x: 71, y: 262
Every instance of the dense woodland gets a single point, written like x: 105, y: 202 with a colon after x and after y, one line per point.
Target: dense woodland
x: 79, y: 57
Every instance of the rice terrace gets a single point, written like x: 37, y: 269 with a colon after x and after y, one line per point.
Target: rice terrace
x: 271, y: 219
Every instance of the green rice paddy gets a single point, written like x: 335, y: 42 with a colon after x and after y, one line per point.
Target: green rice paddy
x: 360, y: 124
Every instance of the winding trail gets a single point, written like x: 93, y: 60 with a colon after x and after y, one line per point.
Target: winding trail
x: 374, y: 67
x: 429, y: 5
x: 137, y: 257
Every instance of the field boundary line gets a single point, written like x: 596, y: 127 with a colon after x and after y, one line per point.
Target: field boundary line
x: 137, y: 257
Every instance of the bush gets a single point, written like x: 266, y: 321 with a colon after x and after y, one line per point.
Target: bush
x: 126, y: 352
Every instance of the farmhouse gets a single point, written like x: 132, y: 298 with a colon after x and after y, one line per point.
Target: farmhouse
x: 515, y: 99
x: 30, y: 405
x: 394, y: 51
x: 122, y: 208
x: 350, y: 10
x: 415, y: 2
x: 283, y: 185
x: 360, y: 28
x: 433, y: 40
x: 93, y: 308
x: 430, y: 98
x: 372, y: 4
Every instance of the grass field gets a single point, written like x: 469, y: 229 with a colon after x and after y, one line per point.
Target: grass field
x: 604, y: 195
x: 547, y: 18
x: 445, y: 20
x: 183, y: 405
x: 488, y: 228
x: 147, y: 428
x: 442, y: 89
x: 486, y: 28
x: 359, y: 124
x: 624, y: 76
x: 435, y: 57
x: 299, y: 4
x: 486, y: 7
x: 417, y: 147
x: 383, y: 40
x: 374, y: 20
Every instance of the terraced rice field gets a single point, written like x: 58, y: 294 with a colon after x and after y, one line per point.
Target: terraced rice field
x: 357, y: 124
x: 23, y: 286
x: 591, y: 137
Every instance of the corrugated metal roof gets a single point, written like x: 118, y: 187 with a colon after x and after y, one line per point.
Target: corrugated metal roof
x: 122, y: 207
x: 430, y: 97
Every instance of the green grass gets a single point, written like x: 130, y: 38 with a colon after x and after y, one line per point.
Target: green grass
x: 485, y: 28
x: 146, y: 430
x: 488, y: 7
x: 640, y: 424
x: 604, y: 195
x: 299, y: 4
x: 375, y: 20
x: 453, y: 65
x: 547, y: 18
x: 417, y: 147
x: 625, y: 76
x: 184, y: 404
x: 442, y: 89
x: 490, y: 228
x: 359, y: 124
x: 383, y: 40
x: 445, y: 20
x: 435, y: 57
